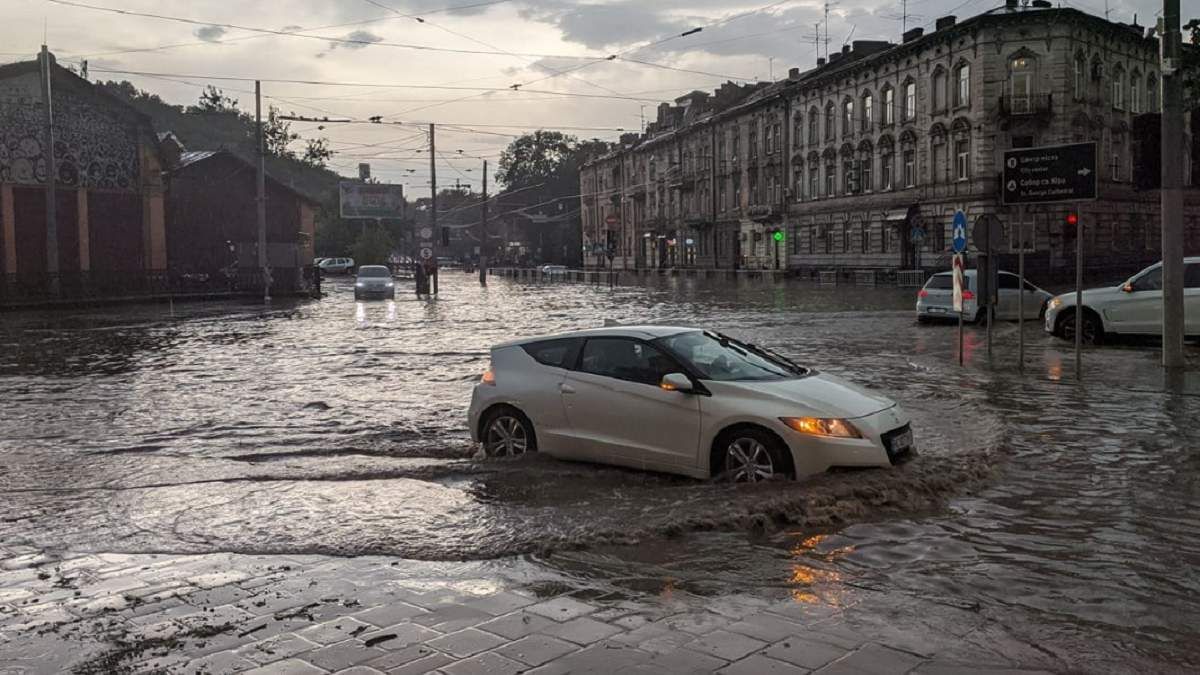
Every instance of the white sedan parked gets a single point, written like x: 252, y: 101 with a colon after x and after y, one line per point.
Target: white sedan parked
x: 1133, y: 308
x: 680, y: 400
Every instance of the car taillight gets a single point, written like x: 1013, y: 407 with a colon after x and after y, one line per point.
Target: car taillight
x: 922, y: 293
x: 488, y: 377
x: 968, y: 295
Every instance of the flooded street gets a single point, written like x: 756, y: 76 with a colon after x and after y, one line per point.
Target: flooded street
x: 1063, y: 512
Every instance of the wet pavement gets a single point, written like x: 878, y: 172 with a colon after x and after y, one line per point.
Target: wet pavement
x: 1046, y: 524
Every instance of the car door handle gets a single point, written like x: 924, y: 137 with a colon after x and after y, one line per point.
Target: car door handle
x: 566, y: 389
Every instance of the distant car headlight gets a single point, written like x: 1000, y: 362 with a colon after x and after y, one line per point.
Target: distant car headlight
x: 390, y: 284
x: 1055, y: 303
x: 820, y: 426
x: 359, y: 284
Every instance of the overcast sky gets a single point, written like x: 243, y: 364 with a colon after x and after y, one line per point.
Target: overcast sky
x: 525, y: 42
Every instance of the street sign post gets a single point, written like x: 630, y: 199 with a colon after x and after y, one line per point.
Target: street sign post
x: 1050, y: 174
x: 959, y: 268
x: 960, y: 232
x: 426, y: 253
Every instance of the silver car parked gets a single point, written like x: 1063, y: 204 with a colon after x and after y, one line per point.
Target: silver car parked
x: 936, y: 299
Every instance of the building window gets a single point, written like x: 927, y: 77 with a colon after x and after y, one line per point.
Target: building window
x: 733, y: 145
x: 937, y: 91
x: 962, y: 159
x: 798, y: 184
x: 778, y: 136
x: 1135, y: 93
x: 830, y: 131
x: 814, y: 182
x: 962, y: 90
x: 752, y: 143
x: 1152, y: 102
x: 797, y: 129
x: 769, y: 141
x: 910, y: 168
x: 910, y: 101
x: 865, y: 236
x: 830, y: 178
x: 1021, y: 84
x: 721, y: 196
x: 864, y: 170
x: 885, y: 243
x: 848, y: 176
x: 1080, y: 77
x: 813, y: 122
x: 1118, y: 88
x: 737, y: 191
x: 937, y: 158
x: 848, y: 117
x: 885, y: 170
x: 867, y: 113
x: 889, y: 106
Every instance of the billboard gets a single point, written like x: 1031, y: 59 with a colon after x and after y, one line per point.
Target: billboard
x: 362, y: 200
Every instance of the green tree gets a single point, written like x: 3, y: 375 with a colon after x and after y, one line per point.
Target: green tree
x: 278, y: 135
x: 213, y: 100
x: 317, y: 152
x: 373, y: 247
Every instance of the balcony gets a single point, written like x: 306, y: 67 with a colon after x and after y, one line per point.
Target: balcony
x: 1025, y: 105
x: 762, y: 213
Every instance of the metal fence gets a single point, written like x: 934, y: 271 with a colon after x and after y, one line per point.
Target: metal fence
x: 21, y: 289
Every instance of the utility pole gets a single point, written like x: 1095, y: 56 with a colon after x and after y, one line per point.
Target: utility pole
x: 262, y: 193
x: 483, y: 232
x: 433, y: 202
x: 51, y: 177
x: 1172, y: 185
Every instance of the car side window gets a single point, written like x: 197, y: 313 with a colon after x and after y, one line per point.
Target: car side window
x: 556, y: 353
x: 1191, y: 276
x: 1030, y: 288
x: 1008, y: 281
x: 626, y: 359
x: 1150, y: 281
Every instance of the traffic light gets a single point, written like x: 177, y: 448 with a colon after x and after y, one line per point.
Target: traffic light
x: 1073, y: 219
x: 777, y: 235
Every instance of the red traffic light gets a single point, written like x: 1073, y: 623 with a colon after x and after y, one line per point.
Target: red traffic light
x: 1072, y: 219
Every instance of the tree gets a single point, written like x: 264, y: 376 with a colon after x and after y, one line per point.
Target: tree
x: 534, y: 158
x: 278, y: 135
x: 373, y: 247
x: 213, y: 100
x: 317, y: 152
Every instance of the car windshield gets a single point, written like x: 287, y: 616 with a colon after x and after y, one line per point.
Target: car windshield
x: 374, y: 271
x: 723, y: 359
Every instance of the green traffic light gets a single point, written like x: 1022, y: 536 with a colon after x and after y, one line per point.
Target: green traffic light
x: 778, y: 235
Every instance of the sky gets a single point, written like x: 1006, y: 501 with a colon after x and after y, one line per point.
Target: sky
x: 484, y: 71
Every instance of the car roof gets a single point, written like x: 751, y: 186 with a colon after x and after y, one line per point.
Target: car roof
x: 646, y: 332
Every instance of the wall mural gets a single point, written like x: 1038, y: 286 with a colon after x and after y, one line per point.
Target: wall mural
x: 93, y: 147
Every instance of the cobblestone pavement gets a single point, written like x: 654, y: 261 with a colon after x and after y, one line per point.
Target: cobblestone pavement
x: 223, y: 613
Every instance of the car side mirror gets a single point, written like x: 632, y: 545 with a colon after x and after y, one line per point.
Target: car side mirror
x: 677, y: 382
x: 1128, y: 287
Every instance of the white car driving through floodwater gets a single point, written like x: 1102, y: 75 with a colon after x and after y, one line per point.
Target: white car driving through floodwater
x: 680, y: 400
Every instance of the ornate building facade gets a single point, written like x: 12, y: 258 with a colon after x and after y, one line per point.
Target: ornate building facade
x: 862, y: 161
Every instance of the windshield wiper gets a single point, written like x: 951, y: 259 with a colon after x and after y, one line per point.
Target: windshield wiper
x: 769, y: 354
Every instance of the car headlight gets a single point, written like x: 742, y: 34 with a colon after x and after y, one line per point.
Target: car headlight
x: 359, y: 284
x: 821, y: 426
x: 1055, y: 303
x: 390, y: 284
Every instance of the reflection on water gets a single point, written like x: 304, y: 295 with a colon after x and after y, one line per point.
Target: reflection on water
x: 338, y: 427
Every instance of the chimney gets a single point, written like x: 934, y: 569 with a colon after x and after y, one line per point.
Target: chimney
x: 845, y: 49
x: 820, y: 61
x: 945, y: 22
x: 793, y: 73
x: 1011, y: 4
x: 913, y: 33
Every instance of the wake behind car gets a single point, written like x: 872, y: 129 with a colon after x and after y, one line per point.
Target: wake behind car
x: 374, y: 281
x: 1132, y: 308
x: 680, y: 400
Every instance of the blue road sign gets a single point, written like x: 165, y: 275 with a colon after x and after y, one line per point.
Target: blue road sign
x: 960, y: 231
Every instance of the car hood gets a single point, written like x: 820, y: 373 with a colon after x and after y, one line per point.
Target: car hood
x: 820, y: 394
x: 1092, y: 295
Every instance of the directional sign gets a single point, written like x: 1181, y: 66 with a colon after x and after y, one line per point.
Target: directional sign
x: 1050, y: 174
x: 426, y: 254
x: 960, y: 232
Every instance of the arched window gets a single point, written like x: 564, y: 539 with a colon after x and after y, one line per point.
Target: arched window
x: 849, y: 176
x: 889, y: 105
x: 1022, y: 83
x: 814, y: 175
x: 1135, y: 92
x: 886, y: 162
x: 938, y: 167
x: 848, y: 116
x: 1152, y: 102
x: 908, y: 158
x: 866, y: 160
x: 937, y: 91
x: 960, y: 132
x: 797, y: 129
x: 867, y: 114
x: 814, y: 121
x: 830, y: 129
x: 798, y: 180
x: 910, y: 100
x: 1118, y: 88
x: 1080, y: 77
x: 830, y: 172
x: 962, y: 84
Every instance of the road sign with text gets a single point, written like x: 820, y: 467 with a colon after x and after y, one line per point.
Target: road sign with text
x: 1050, y: 174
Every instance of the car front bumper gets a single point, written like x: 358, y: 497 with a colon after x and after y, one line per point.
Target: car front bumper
x: 883, y: 444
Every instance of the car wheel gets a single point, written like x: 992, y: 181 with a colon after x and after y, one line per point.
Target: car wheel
x: 1093, y: 333
x: 922, y: 319
x: 507, y: 433
x: 752, y: 455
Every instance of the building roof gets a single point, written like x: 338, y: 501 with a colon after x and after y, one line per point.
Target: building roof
x: 192, y: 158
x: 62, y: 75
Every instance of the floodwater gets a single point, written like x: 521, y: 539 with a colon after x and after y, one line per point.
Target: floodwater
x: 1065, y: 510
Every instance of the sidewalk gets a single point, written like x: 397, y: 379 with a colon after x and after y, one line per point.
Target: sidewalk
x: 222, y: 613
